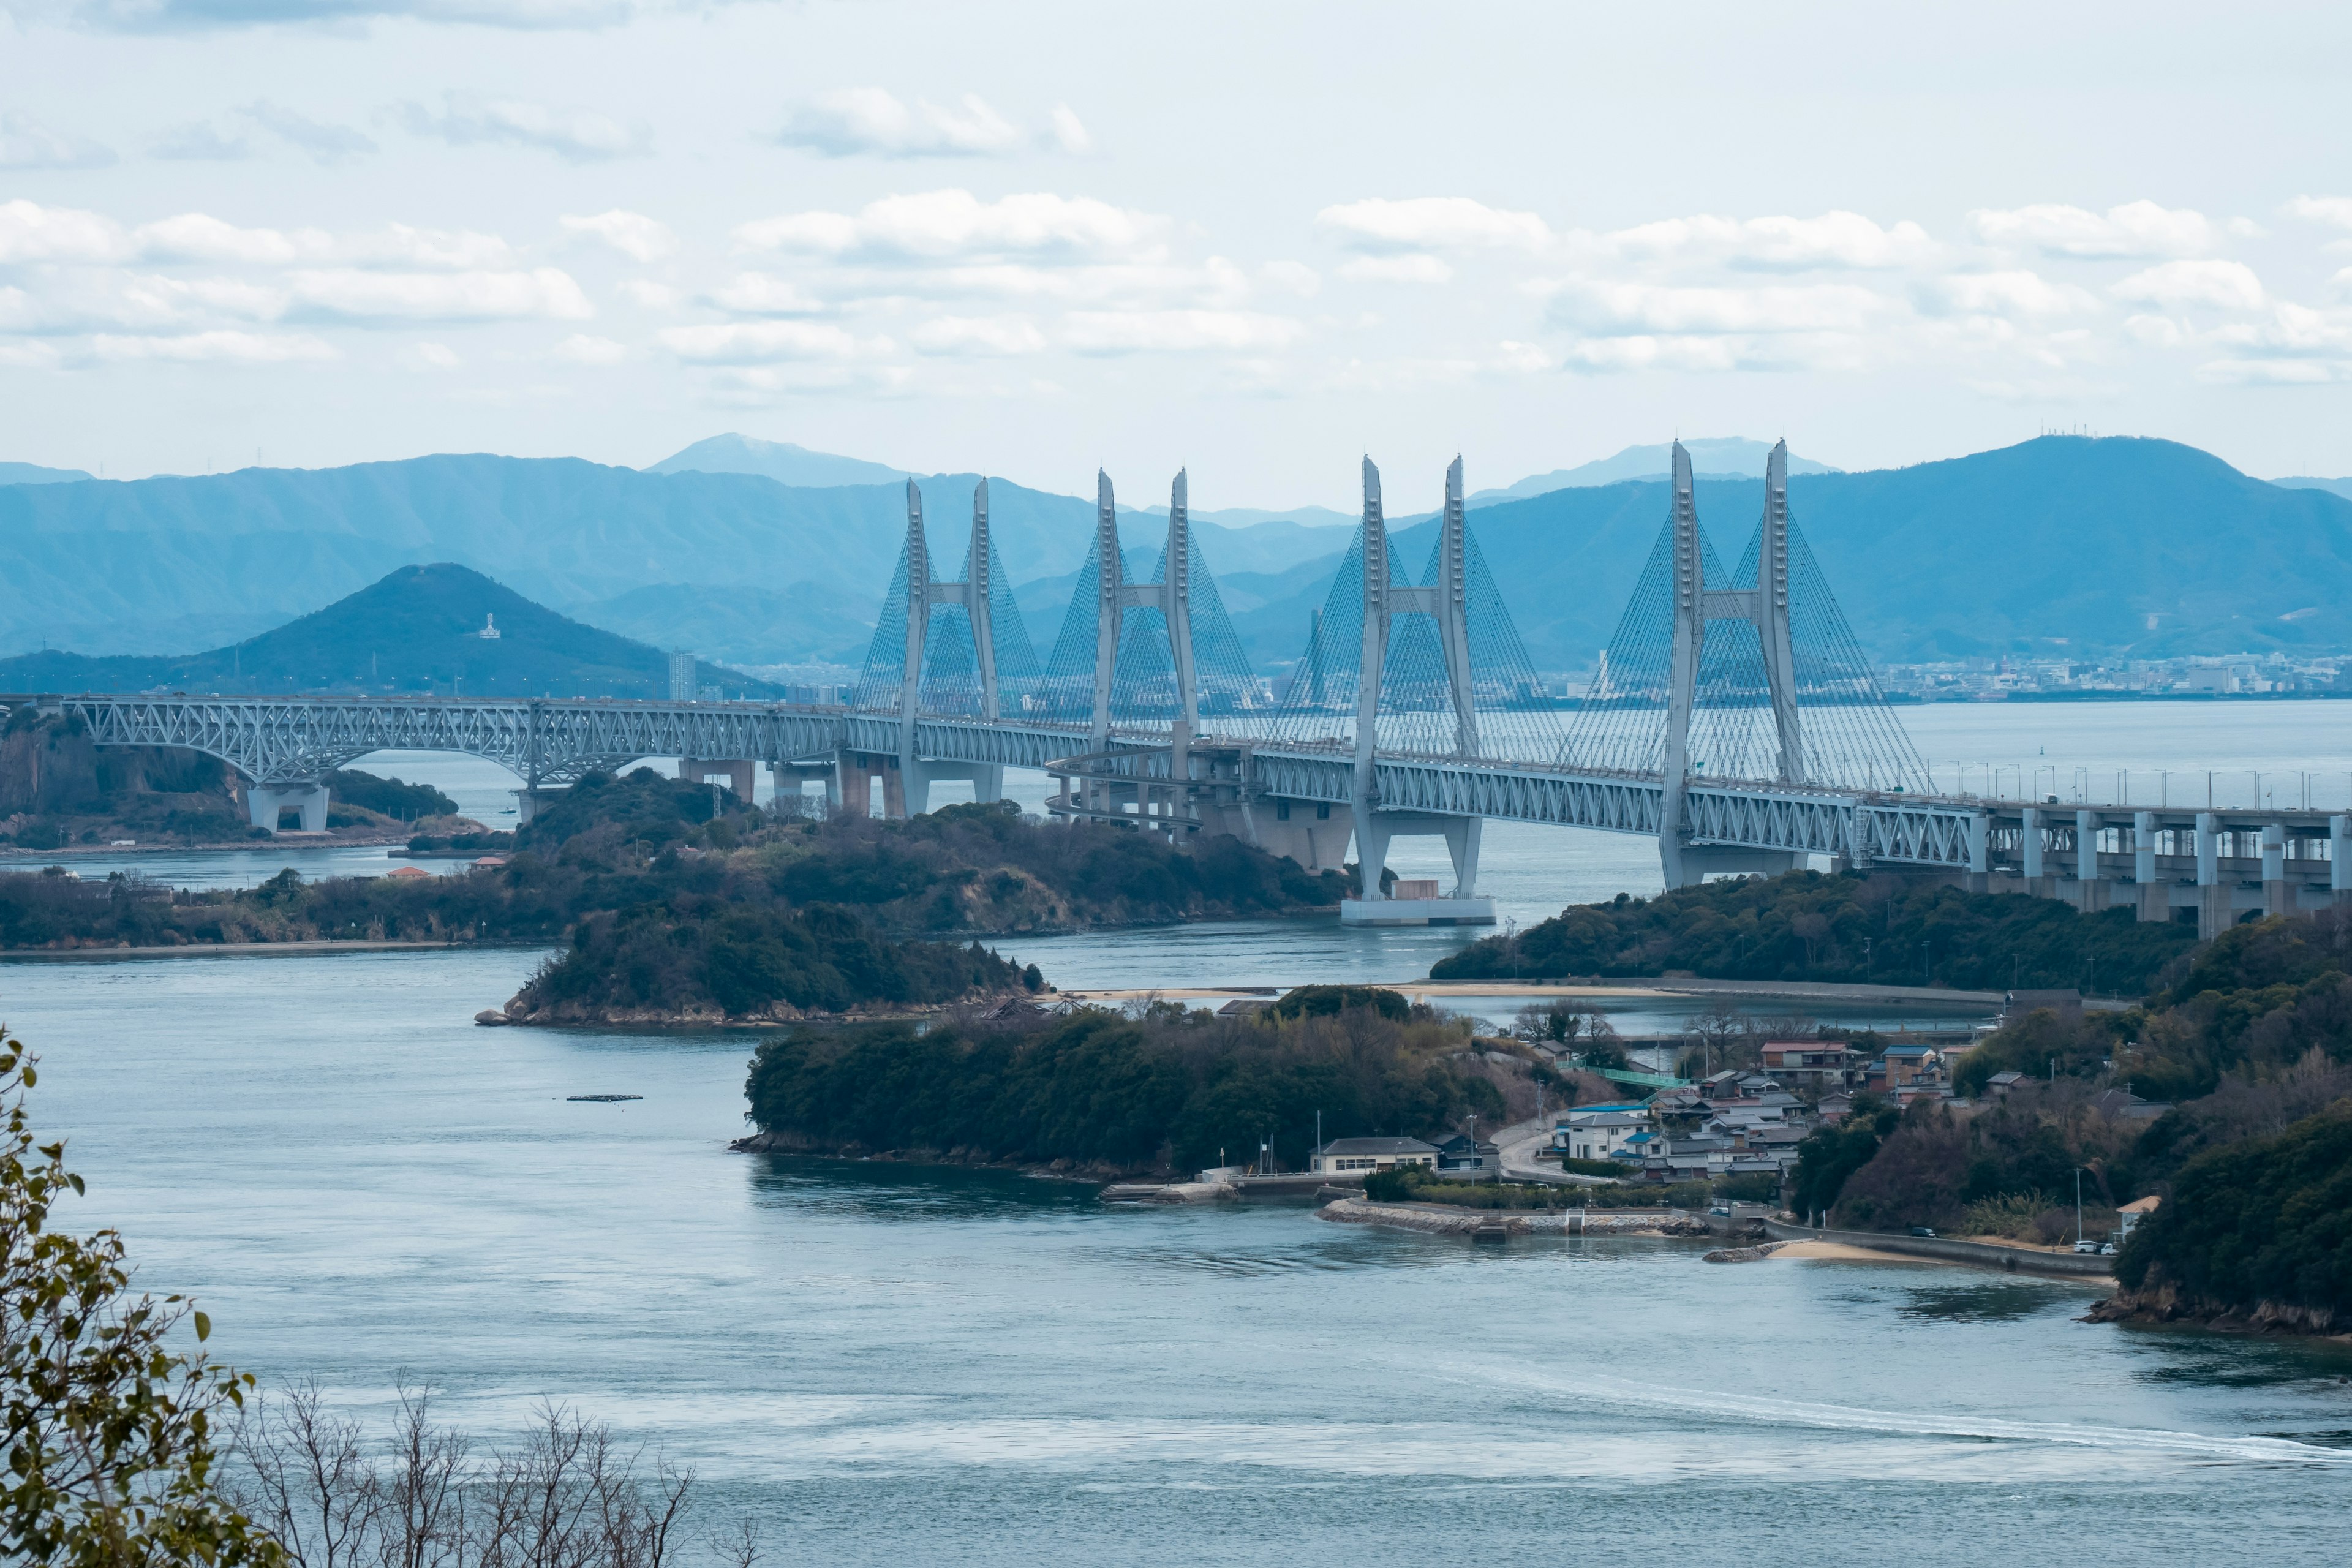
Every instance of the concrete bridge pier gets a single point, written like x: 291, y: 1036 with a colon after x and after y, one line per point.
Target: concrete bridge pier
x: 2029, y: 848
x: 739, y: 775
x: 263, y: 805
x: 2213, y: 916
x: 2155, y: 896
x: 2278, y: 896
x: 2339, y: 869
x: 1700, y: 862
x: 2091, y: 890
x: 790, y: 778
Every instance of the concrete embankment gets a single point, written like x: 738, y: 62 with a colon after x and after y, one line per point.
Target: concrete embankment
x: 2091, y: 1270
x: 1446, y: 1220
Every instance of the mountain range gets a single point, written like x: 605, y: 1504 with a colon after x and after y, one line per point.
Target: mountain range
x: 2060, y: 545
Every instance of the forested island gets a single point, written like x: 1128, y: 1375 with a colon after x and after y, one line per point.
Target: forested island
x: 1847, y: 927
x: 1161, y: 1090
x: 675, y: 902
x: 2242, y: 1052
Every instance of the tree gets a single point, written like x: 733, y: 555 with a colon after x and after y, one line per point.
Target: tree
x: 109, y: 1430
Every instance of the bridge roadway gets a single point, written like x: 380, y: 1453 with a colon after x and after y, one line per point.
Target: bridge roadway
x: 2219, y: 863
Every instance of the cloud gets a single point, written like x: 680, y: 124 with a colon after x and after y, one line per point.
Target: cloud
x: 761, y: 342
x: 27, y: 143
x: 352, y: 294
x: 1165, y: 331
x: 2013, y: 295
x: 582, y: 349
x: 633, y: 235
x: 575, y: 135
x: 1835, y: 239
x: 201, y: 141
x: 2227, y: 284
x: 650, y: 295
x: 1069, y: 134
x: 763, y: 294
x: 428, y: 356
x: 1432, y: 222
x: 198, y: 237
x: 978, y: 335
x: 215, y: 347
x: 219, y: 15
x: 2335, y: 211
x: 1635, y: 308
x: 30, y: 232
x: 954, y: 223
x: 2135, y: 230
x: 233, y: 141
x: 871, y: 121
x: 1411, y: 267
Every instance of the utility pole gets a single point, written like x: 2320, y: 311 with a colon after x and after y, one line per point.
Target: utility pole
x: 2078, y: 1205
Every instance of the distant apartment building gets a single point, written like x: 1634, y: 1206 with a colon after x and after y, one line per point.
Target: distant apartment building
x: 1825, y: 1065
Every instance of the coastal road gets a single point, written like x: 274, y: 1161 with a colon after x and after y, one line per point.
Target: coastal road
x: 1518, y: 1144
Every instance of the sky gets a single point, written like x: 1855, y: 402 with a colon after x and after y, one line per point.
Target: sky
x: 1256, y: 241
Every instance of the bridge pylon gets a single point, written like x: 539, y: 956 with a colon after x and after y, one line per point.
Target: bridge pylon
x: 942, y: 648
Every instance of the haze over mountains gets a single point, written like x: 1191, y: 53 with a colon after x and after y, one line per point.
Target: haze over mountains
x: 2059, y: 546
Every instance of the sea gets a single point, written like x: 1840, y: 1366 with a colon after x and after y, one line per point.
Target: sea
x: 880, y: 1363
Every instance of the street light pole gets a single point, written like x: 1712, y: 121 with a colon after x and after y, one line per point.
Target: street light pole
x: 2078, y: 1205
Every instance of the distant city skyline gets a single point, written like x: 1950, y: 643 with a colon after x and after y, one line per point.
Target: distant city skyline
x: 1035, y: 241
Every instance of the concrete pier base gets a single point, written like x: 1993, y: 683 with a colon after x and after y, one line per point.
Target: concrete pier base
x: 264, y: 805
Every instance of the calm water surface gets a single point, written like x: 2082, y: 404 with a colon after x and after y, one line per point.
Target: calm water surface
x: 895, y: 1366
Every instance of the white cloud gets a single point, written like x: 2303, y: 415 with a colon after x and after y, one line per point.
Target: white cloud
x: 27, y: 143
x: 765, y: 294
x: 582, y: 349
x: 2293, y: 331
x: 2228, y: 285
x: 198, y: 237
x: 233, y: 137
x: 459, y: 250
x: 1634, y: 308
x: 30, y: 232
x: 215, y: 347
x: 2013, y: 295
x: 1411, y: 267
x: 758, y: 343
x: 201, y: 140
x: 1526, y: 359
x: 1835, y: 239
x: 2156, y: 331
x: 1432, y: 222
x: 575, y: 135
x: 428, y: 356
x: 971, y: 335
x: 1177, y: 331
x: 1069, y: 133
x: 2133, y: 230
x: 348, y: 293
x: 954, y: 223
x: 326, y: 144
x: 633, y: 235
x: 2335, y: 211
x: 872, y: 121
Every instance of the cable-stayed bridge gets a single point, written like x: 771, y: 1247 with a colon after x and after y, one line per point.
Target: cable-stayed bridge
x: 1734, y: 718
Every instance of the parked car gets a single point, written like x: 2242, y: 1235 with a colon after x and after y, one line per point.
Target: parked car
x: 1721, y: 1210
x: 2090, y: 1247
x: 1923, y: 1230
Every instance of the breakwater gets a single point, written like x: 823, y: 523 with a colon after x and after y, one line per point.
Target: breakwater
x: 1951, y: 1250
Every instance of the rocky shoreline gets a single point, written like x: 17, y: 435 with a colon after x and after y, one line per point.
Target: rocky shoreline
x: 779, y: 1142
x: 2166, y: 1304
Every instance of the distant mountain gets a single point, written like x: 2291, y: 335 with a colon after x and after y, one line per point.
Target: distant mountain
x: 1712, y: 456
x: 420, y: 630
x: 2300, y: 482
x: 742, y: 625
x: 33, y: 474
x: 779, y: 460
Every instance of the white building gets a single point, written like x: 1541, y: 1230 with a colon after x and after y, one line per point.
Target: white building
x: 1356, y: 1155
x: 1597, y: 1134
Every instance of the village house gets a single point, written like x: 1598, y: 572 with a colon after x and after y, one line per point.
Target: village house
x: 1823, y: 1064
x: 2131, y: 1213
x: 1346, y: 1155
x: 1464, y: 1155
x: 1598, y: 1134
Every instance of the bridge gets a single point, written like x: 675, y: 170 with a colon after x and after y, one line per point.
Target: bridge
x: 1735, y: 719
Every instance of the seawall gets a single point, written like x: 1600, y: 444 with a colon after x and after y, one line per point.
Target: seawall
x: 1950, y: 1250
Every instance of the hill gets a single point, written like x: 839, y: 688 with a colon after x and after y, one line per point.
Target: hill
x: 418, y: 630
x: 779, y: 460
x: 1712, y: 456
x: 2304, y: 482
x: 33, y: 474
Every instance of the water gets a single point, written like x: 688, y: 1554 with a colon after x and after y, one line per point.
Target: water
x: 890, y: 1364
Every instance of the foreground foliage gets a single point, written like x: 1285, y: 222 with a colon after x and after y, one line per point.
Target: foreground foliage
x: 1848, y: 927
x: 1166, y: 1090
x: 113, y: 1454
